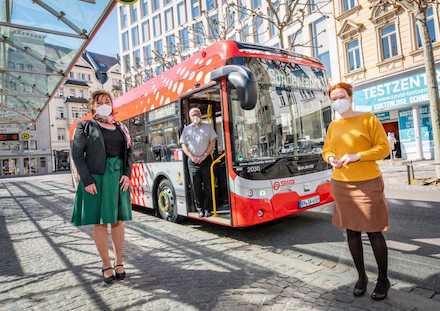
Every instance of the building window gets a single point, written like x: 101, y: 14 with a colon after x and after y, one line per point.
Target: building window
x: 126, y: 62
x: 388, y: 37
x: 133, y: 14
x: 242, y: 13
x: 169, y: 20
x: 158, y: 48
x: 171, y: 44
x: 353, y: 55
x: 73, y: 92
x: 320, y: 42
x: 157, y: 28
x: 155, y: 4
x: 244, y: 33
x: 313, y: 6
x: 273, y: 31
x: 144, y: 8
x: 145, y: 31
x: 348, y: 4
x: 181, y: 14
x: 137, y: 58
x: 61, y: 92
x: 199, y: 34
x: 430, y: 22
x: 61, y: 113
x: 71, y: 75
x: 211, y: 4
x: 134, y: 37
x: 184, y: 38
x: 123, y: 17
x: 61, y: 134
x: 88, y: 77
x: 195, y: 8
x: 148, y: 56
x: 256, y: 4
x: 230, y: 18
x: 166, y: 2
x: 258, y: 29
x: 213, y: 27
x: 125, y: 41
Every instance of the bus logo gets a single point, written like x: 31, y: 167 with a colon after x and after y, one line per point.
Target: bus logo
x: 278, y: 184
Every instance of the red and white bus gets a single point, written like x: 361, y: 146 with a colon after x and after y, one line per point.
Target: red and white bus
x: 270, y: 110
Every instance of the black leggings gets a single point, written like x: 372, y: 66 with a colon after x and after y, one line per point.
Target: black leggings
x: 380, y: 251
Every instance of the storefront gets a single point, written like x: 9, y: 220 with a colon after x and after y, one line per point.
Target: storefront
x: 401, y: 103
x: 61, y: 158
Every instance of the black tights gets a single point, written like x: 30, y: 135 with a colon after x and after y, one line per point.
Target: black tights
x: 380, y: 251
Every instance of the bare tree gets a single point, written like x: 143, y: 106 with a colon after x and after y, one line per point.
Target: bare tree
x: 419, y: 8
x: 283, y: 14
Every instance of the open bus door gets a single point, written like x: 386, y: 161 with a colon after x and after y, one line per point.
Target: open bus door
x: 209, y: 102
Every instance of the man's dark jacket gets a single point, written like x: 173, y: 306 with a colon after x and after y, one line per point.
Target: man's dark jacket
x: 88, y: 151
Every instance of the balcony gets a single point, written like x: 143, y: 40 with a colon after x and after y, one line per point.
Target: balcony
x: 76, y: 82
x: 74, y: 99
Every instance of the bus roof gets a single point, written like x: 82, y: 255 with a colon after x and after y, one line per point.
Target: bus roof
x: 193, y: 73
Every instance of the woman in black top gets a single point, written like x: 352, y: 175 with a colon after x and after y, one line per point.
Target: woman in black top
x: 101, y: 151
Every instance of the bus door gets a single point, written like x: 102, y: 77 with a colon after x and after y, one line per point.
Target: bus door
x: 209, y: 103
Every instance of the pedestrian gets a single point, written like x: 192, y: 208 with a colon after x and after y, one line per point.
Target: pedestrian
x: 198, y: 140
x: 101, y: 151
x: 353, y: 144
x: 392, y: 143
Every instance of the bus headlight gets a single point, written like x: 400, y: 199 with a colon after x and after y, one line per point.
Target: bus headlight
x: 260, y: 213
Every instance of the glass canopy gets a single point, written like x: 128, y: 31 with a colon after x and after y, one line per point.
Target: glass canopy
x: 39, y: 42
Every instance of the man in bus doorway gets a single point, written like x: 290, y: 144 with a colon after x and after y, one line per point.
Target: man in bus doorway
x: 198, y: 141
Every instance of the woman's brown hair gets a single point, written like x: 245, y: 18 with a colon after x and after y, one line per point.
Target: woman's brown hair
x: 92, y: 102
x: 341, y: 85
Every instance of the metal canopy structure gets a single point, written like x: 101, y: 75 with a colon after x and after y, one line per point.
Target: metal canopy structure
x: 40, y: 41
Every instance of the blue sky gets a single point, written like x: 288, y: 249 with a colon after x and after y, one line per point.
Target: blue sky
x: 106, y: 40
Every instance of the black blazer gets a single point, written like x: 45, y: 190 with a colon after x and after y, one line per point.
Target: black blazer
x: 88, y: 151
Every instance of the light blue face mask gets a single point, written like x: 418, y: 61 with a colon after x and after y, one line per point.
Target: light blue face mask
x: 341, y: 105
x: 104, y: 110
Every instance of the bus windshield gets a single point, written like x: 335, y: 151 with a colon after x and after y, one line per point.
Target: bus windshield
x: 290, y: 115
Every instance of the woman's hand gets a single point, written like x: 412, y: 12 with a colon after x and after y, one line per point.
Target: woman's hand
x: 349, y: 158
x: 91, y: 189
x: 334, y: 162
x: 124, y: 182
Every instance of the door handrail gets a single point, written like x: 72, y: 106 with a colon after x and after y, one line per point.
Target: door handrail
x: 214, y: 201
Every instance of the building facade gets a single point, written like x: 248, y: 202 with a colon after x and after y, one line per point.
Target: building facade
x: 43, y: 146
x: 154, y: 35
x: 382, y: 55
x: 71, y: 100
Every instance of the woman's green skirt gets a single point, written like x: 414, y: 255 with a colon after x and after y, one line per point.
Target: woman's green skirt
x: 109, y: 205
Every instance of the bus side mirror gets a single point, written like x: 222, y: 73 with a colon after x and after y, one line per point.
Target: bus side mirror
x: 243, y: 80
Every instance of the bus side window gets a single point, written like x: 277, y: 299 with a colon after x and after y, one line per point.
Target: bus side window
x: 136, y: 127
x: 163, y: 138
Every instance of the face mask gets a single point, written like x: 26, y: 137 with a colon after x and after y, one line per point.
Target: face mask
x: 104, y: 110
x: 196, y: 120
x: 341, y: 105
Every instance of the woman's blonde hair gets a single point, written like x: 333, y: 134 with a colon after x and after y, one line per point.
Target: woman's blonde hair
x: 92, y: 102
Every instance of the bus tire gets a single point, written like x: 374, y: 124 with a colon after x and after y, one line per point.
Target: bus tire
x: 166, y: 201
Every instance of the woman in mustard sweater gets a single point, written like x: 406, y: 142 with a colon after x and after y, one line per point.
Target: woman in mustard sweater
x: 353, y: 144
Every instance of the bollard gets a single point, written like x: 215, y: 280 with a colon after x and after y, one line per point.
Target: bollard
x: 410, y: 172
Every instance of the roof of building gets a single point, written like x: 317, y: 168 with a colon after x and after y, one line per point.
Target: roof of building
x: 72, y: 99
x: 76, y: 82
x: 104, y: 62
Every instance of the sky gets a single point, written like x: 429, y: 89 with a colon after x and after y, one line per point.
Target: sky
x: 106, y: 40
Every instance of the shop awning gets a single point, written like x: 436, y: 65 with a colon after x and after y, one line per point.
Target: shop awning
x: 40, y: 40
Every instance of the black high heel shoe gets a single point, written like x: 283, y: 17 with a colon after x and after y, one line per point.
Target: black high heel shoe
x: 119, y: 275
x: 361, y: 287
x: 107, y: 279
x: 381, y: 290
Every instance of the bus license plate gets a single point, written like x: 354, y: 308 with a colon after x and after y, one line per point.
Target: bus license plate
x: 309, y: 201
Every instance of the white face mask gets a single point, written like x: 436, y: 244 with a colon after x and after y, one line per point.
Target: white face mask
x: 196, y: 120
x: 341, y: 105
x: 104, y: 110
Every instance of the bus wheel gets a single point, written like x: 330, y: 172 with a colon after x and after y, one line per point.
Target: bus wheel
x: 166, y: 201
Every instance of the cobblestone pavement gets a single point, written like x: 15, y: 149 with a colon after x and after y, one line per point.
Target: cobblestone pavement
x: 48, y: 264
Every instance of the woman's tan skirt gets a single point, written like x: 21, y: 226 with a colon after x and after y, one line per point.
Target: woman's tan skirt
x: 360, y: 206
